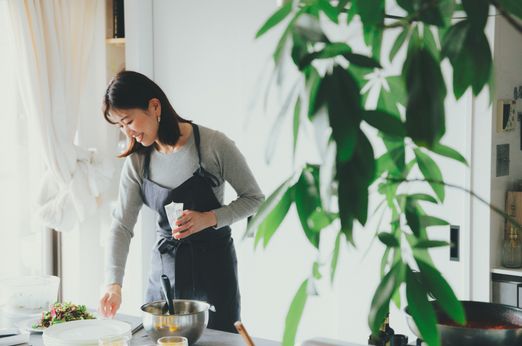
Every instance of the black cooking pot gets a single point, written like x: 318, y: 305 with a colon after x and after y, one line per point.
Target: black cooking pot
x: 487, y: 324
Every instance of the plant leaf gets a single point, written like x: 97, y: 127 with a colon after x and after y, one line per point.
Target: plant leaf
x: 427, y: 244
x: 335, y: 257
x: 470, y: 55
x: 307, y: 200
x: 275, y: 18
x: 477, y: 11
x: 278, y: 52
x: 381, y: 299
x: 329, y: 10
x: 420, y: 197
x: 272, y: 221
x: 441, y: 290
x: 296, y: 123
x: 429, y: 42
x: 399, y: 41
x: 317, y: 94
x: 385, y: 122
x: 354, y: 178
x: 425, y: 121
x: 295, y: 312
x: 431, y: 172
x: 344, y: 110
x: 421, y: 310
x: 266, y: 209
x: 362, y: 60
x: 428, y: 221
x: 413, y: 217
x: 446, y: 151
x: 388, y: 239
x: 512, y: 6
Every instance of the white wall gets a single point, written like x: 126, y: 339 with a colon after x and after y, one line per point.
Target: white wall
x: 208, y: 63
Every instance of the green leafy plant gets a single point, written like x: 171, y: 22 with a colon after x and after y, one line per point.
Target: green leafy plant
x: 409, y: 115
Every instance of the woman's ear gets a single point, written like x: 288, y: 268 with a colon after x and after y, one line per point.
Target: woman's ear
x: 155, y: 107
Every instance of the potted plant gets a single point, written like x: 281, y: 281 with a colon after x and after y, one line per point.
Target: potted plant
x: 409, y: 115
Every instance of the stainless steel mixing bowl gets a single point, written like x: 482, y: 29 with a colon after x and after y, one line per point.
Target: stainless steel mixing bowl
x: 190, y: 319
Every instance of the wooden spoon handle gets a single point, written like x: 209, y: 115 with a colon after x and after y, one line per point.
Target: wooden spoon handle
x: 242, y: 331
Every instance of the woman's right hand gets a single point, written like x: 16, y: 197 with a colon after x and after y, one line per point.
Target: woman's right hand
x: 111, y: 301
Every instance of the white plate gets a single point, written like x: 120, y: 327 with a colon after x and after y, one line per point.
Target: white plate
x: 84, y: 332
x: 27, y: 325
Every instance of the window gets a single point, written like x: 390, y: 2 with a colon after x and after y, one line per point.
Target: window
x: 20, y: 170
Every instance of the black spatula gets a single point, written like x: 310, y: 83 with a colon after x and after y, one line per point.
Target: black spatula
x: 165, y: 286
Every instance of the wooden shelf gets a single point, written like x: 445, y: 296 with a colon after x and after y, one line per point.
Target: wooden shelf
x: 507, y: 271
x: 115, y: 41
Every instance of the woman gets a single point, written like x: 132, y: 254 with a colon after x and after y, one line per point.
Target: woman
x: 170, y: 159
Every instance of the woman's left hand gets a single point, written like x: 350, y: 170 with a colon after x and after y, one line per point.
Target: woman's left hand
x: 192, y: 222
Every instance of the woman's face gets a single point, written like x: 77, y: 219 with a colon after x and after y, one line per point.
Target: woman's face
x: 142, y: 125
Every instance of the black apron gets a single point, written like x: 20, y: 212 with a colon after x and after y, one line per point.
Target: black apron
x: 202, y: 266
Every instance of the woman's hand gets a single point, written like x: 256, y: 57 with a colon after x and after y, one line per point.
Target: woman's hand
x: 111, y: 301
x: 192, y: 222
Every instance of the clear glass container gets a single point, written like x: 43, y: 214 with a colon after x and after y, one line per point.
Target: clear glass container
x: 173, y: 341
x: 512, y: 249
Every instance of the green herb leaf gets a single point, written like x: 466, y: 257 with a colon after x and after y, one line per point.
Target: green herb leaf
x: 275, y: 18
x: 295, y: 312
x: 431, y: 172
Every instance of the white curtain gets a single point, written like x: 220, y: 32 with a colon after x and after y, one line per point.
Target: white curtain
x: 53, y: 40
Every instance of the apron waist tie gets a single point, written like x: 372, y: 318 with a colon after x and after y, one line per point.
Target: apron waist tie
x: 170, y: 245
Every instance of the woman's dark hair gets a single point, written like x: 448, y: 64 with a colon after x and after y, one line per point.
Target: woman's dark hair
x: 129, y: 89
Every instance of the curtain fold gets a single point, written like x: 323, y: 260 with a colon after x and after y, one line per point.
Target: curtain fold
x: 53, y: 41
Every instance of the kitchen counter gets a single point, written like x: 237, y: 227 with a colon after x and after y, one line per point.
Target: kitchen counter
x: 210, y: 337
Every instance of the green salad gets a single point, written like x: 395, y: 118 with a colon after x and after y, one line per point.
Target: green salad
x: 63, y: 312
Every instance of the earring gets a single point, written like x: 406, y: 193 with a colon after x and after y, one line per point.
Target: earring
x: 159, y: 119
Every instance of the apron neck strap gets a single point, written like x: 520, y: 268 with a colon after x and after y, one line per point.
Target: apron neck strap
x: 200, y: 171
x: 195, y: 130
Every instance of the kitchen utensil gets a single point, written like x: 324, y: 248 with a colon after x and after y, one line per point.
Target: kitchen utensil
x: 165, y: 287
x: 243, y: 332
x: 190, y: 320
x: 487, y: 324
x: 173, y: 341
x: 29, y: 294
